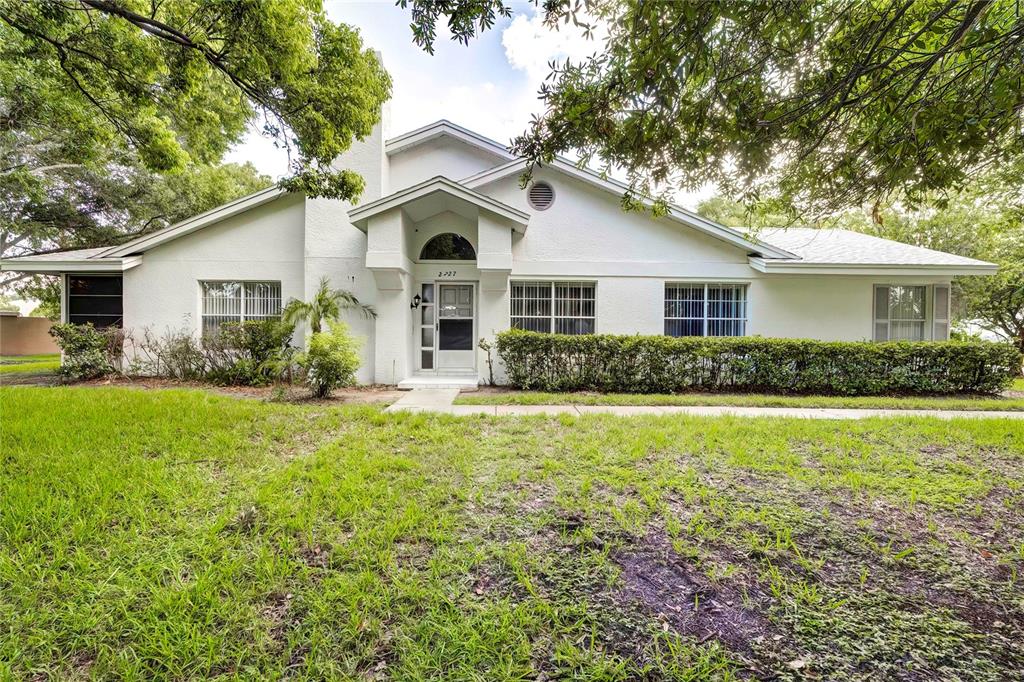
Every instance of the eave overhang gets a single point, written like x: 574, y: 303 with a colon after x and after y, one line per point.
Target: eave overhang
x: 37, y: 265
x: 798, y: 267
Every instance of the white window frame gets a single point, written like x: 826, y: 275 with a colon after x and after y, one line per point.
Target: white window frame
x: 553, y: 301
x: 243, y: 314
x: 705, y: 318
x: 929, y: 320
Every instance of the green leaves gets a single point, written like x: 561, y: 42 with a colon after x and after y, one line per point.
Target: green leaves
x: 661, y: 364
x: 326, y: 304
x: 820, y: 106
x: 180, y: 82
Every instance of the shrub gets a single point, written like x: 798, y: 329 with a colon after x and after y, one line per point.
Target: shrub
x: 88, y: 352
x: 331, y: 361
x: 661, y: 364
x: 176, y: 354
x: 253, y: 353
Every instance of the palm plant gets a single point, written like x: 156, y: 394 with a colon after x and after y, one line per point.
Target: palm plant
x: 326, y: 304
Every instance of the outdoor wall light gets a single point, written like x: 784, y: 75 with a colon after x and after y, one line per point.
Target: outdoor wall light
x: 415, y: 301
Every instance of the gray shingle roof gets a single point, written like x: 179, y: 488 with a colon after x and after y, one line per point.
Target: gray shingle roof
x: 837, y: 247
x: 74, y: 254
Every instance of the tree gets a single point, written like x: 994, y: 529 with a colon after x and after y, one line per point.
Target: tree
x: 326, y: 304
x: 114, y: 115
x: 179, y: 82
x: 821, y: 105
x: 107, y: 201
x: 7, y: 305
x: 725, y: 211
x: 996, y: 303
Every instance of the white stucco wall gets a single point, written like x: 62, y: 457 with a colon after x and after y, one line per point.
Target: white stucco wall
x: 585, y: 232
x: 335, y: 249
x: 265, y: 243
x: 822, y: 307
x: 445, y: 156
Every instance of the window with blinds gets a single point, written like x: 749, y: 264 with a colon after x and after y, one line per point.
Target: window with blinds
x: 238, y: 302
x: 900, y: 313
x: 705, y: 309
x: 554, y: 307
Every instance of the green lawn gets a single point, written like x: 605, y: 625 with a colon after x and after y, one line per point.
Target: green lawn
x: 743, y: 399
x: 1018, y: 384
x: 29, y: 364
x: 182, y: 535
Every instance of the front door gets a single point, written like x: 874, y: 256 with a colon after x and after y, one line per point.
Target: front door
x: 456, y: 327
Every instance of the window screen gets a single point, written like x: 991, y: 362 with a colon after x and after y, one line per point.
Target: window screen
x: 95, y: 299
x: 554, y: 307
x: 237, y: 302
x: 705, y: 309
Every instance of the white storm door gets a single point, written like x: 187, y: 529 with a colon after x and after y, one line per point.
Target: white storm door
x: 456, y: 327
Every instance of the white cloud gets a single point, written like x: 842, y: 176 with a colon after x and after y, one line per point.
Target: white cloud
x: 530, y: 45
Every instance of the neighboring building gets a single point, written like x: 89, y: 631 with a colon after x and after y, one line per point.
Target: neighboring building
x: 449, y: 248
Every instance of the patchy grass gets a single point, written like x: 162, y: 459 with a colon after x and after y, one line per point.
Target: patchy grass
x: 178, y: 534
x: 29, y: 364
x: 512, y: 397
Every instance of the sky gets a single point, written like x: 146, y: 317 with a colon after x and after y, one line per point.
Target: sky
x: 489, y: 86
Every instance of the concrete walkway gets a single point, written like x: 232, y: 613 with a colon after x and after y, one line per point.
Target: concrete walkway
x: 440, y: 401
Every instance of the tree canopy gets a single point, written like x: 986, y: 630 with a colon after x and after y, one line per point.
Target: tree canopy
x: 179, y: 82
x: 115, y: 115
x: 820, y: 105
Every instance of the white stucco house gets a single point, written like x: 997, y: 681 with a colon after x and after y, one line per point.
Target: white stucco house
x: 449, y: 248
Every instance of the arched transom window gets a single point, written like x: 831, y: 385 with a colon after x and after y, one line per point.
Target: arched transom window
x: 448, y: 246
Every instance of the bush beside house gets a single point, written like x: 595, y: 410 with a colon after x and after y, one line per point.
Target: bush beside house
x: 659, y: 364
x: 88, y: 352
x: 251, y: 353
x: 331, y: 361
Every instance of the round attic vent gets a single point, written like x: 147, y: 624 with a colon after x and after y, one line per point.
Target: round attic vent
x: 541, y: 196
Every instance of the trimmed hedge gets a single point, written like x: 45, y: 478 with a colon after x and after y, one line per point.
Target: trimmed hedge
x: 661, y: 364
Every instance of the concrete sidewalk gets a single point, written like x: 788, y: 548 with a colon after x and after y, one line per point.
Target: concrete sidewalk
x: 440, y: 401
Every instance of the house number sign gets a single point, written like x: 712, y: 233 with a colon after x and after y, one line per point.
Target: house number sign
x: 447, y: 273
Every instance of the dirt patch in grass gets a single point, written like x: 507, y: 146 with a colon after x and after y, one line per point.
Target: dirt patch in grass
x: 318, y: 556
x: 676, y: 592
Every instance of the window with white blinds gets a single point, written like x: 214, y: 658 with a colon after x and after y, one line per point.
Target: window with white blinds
x: 238, y: 302
x: 901, y: 313
x: 705, y: 309
x: 554, y: 307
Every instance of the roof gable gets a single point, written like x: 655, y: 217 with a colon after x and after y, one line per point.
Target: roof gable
x: 446, y: 128
x: 675, y: 213
x: 436, y: 187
